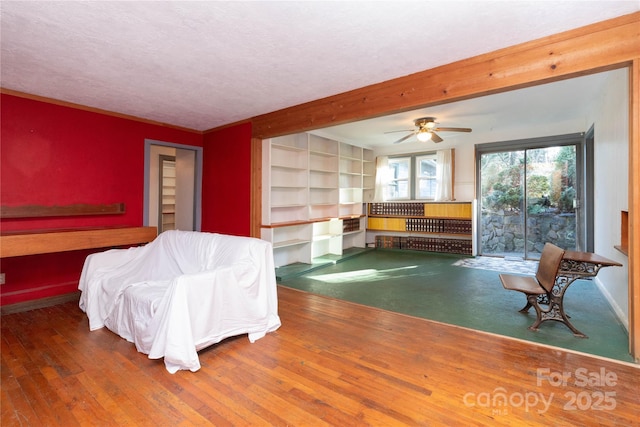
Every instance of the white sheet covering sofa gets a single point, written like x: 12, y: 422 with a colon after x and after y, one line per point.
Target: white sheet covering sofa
x: 181, y: 293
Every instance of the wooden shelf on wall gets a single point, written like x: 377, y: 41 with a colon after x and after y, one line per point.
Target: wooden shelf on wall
x: 79, y: 209
x: 32, y: 242
x: 49, y: 241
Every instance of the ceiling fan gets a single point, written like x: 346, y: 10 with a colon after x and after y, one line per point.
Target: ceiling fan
x: 426, y: 130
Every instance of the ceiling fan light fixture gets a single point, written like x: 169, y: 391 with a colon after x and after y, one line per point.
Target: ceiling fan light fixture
x: 423, y: 135
x: 426, y: 128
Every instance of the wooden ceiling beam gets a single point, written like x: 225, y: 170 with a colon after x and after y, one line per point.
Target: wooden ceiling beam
x: 605, y: 45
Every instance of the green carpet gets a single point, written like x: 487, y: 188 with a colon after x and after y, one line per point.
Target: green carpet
x: 429, y: 286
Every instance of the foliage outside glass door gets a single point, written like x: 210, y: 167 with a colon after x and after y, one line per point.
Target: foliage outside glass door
x: 528, y: 197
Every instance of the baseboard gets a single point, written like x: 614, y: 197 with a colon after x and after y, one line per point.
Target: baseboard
x: 39, y: 303
x: 614, y: 305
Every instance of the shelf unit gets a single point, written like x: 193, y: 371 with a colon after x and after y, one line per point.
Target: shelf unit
x: 351, y: 175
x: 313, y: 191
x: 323, y: 177
x: 368, y: 175
x: 435, y: 227
x: 167, y: 218
x: 287, y: 163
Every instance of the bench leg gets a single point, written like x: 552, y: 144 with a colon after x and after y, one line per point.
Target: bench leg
x: 526, y: 308
x: 532, y: 301
x: 555, y: 311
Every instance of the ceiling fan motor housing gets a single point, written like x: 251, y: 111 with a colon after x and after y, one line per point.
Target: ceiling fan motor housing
x: 425, y: 122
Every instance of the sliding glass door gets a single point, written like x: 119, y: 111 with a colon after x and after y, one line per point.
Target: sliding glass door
x: 529, y: 195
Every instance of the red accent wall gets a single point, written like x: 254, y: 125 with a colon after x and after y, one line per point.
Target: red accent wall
x: 57, y: 155
x: 226, y: 198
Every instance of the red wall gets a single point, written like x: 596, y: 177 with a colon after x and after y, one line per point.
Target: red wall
x: 226, y: 197
x: 56, y: 155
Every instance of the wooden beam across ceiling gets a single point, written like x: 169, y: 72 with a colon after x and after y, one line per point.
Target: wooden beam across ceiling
x: 597, y: 47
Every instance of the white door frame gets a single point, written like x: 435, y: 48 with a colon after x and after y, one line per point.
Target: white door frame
x: 197, y: 220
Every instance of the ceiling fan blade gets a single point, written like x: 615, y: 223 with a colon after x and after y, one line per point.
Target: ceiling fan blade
x: 435, y: 138
x: 404, y: 138
x: 404, y: 130
x: 439, y: 129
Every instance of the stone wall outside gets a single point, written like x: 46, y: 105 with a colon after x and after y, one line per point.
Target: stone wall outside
x: 503, y: 234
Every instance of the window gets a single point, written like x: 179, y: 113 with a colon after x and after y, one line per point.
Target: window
x: 399, y: 187
x: 426, y: 177
x: 412, y: 177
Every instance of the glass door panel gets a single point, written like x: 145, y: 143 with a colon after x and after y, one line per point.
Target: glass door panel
x: 528, y: 197
x: 501, y: 219
x: 551, y: 198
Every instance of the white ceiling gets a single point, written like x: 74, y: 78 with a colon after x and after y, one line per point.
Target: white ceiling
x: 204, y: 64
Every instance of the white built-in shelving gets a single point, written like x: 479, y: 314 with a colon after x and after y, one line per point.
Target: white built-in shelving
x: 323, y: 177
x: 312, y: 202
x: 350, y: 180
x: 368, y: 175
x: 287, y: 161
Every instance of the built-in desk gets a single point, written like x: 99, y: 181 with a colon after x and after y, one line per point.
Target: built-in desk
x: 32, y: 242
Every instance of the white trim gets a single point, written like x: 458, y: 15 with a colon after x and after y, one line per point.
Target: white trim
x: 197, y: 220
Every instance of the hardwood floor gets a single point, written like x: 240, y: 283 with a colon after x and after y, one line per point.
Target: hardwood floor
x: 331, y: 363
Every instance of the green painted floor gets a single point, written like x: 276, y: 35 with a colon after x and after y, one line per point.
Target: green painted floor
x: 427, y: 285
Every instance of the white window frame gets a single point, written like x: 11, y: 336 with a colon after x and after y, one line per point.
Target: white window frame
x: 413, y: 179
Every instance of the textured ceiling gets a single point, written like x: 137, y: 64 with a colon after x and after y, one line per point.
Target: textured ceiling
x: 204, y: 64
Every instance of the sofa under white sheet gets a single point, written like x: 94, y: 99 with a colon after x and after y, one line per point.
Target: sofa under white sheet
x: 182, y: 292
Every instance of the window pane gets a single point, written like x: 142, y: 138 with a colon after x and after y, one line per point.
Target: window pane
x: 426, y: 177
x: 427, y: 188
x: 400, y: 171
x: 399, y: 168
x: 427, y: 167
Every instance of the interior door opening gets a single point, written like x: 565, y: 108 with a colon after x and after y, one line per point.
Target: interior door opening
x: 173, y: 182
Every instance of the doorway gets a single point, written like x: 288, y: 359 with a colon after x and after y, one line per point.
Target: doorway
x: 173, y: 182
x: 167, y: 194
x: 531, y: 192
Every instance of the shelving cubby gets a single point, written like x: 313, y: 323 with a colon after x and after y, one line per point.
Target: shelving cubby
x: 327, y: 238
x: 291, y: 243
x: 354, y: 232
